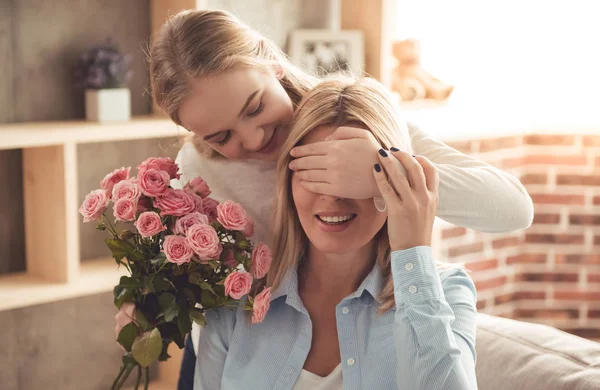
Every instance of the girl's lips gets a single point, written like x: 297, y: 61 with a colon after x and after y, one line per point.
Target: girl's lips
x: 333, y: 228
x: 271, y: 144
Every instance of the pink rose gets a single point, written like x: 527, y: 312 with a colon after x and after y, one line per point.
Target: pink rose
x: 124, y: 210
x: 199, y: 186
x: 125, y: 315
x: 249, y: 229
x: 113, y: 178
x: 198, y: 203
x: 176, y: 202
x: 261, y: 305
x: 149, y: 224
x: 165, y: 164
x: 229, y: 260
x: 210, y: 208
x: 177, y: 249
x: 126, y: 189
x: 94, y: 205
x: 237, y: 284
x: 184, y: 223
x: 232, y: 216
x: 205, y: 242
x: 153, y: 182
x: 261, y: 260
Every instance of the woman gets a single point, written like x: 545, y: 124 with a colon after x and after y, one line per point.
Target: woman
x: 357, y: 299
x: 236, y: 92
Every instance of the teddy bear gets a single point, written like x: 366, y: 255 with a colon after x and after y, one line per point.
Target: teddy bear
x: 409, y: 79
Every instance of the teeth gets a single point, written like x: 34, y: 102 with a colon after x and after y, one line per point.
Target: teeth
x: 336, y: 219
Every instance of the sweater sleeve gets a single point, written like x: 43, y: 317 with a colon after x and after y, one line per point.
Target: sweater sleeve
x: 472, y: 193
x: 434, y: 323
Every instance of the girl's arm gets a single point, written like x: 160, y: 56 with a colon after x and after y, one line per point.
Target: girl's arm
x: 472, y: 193
x: 434, y: 323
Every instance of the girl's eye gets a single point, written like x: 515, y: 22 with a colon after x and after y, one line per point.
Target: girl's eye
x: 258, y: 110
x: 225, y: 139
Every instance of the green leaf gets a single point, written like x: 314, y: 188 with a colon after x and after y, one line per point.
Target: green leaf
x: 158, y: 260
x: 127, y: 335
x: 161, y: 284
x: 122, y: 295
x: 128, y: 282
x: 189, y: 294
x: 183, y: 320
x: 147, y: 348
x: 198, y: 317
x: 142, y: 321
x: 206, y: 299
x: 119, y: 248
x: 195, y: 278
x: 168, y: 304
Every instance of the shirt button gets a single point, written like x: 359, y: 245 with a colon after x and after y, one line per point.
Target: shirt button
x: 409, y: 266
x: 345, y: 310
x: 412, y: 289
x: 350, y: 362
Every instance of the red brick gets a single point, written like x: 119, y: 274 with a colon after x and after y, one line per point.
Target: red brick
x: 487, y: 145
x: 577, y: 259
x: 512, y: 162
x: 453, y: 232
x: 490, y: 283
x: 506, y: 242
x: 546, y: 277
x: 596, y: 240
x: 500, y: 299
x: 558, y: 199
x: 465, y: 249
x: 594, y: 278
x: 593, y: 313
x: 555, y: 160
x: 480, y: 265
x: 554, y: 238
x: 586, y: 333
x: 480, y: 304
x: 578, y: 180
x: 529, y: 295
x: 546, y: 218
x: 462, y: 146
x: 597, y: 198
x: 577, y: 295
x: 591, y: 140
x: 549, y: 140
x: 547, y: 313
x: 527, y: 258
x: 505, y: 314
x: 584, y: 219
x: 534, y: 178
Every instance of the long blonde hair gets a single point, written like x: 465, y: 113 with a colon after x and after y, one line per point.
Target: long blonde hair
x: 335, y: 102
x: 195, y: 44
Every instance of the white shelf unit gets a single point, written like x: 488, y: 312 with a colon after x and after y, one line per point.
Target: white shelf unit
x: 54, y: 270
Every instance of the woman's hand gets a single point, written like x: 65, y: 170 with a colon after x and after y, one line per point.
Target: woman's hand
x: 341, y: 166
x: 411, y: 203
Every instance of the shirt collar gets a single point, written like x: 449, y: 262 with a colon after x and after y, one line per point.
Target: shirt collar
x: 373, y: 284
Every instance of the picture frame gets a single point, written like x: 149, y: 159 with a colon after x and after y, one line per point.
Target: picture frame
x: 324, y: 52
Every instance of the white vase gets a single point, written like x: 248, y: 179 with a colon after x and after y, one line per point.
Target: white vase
x: 108, y: 105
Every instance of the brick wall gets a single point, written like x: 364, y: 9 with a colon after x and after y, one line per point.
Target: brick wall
x: 549, y: 273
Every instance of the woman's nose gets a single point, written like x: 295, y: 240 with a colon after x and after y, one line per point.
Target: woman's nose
x: 252, y: 138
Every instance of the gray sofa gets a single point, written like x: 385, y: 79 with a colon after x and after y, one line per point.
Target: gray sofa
x: 515, y: 355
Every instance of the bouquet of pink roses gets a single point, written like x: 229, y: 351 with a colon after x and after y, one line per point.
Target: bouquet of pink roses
x: 185, y: 253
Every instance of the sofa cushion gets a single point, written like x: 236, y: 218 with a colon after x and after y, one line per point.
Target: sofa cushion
x: 519, y: 355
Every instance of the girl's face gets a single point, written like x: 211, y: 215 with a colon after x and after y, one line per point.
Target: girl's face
x: 242, y: 114
x: 332, y: 224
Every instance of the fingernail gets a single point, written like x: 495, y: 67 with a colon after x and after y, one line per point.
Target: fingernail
x: 383, y: 152
x: 293, y: 152
x: 414, y: 155
x: 378, y: 167
x: 394, y: 149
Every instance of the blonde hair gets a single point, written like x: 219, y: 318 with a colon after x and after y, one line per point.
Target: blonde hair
x: 335, y: 102
x: 195, y: 44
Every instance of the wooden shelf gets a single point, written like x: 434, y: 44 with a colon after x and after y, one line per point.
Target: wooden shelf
x: 22, y: 289
x: 36, y: 134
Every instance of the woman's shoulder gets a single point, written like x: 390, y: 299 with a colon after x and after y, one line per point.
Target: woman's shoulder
x: 456, y: 282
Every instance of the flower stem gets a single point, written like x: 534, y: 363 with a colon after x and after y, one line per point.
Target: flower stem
x: 117, y: 378
x: 139, y: 377
x: 125, y: 376
x: 146, y: 378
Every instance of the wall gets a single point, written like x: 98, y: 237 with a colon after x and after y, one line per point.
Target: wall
x: 549, y: 273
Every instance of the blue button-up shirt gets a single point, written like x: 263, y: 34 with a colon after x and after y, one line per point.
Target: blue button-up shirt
x: 426, y: 342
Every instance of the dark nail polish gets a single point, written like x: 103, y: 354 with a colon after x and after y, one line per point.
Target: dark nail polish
x: 378, y: 167
x: 394, y: 149
x: 383, y: 152
x: 414, y: 155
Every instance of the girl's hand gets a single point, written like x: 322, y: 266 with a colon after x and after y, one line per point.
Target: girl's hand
x: 341, y: 166
x: 411, y: 203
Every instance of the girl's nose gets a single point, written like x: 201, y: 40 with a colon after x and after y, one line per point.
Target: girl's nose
x: 252, y: 138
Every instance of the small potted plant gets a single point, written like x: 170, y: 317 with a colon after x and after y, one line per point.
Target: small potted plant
x: 103, y: 71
